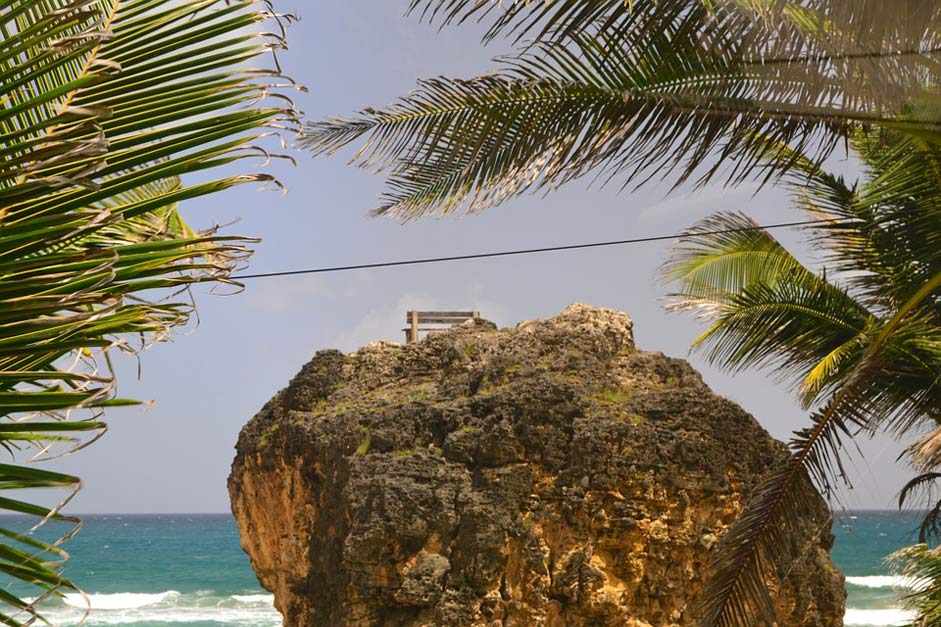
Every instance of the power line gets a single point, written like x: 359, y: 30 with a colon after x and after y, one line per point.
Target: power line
x: 530, y: 251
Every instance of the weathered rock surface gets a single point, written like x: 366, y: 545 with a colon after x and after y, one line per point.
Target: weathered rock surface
x: 549, y: 474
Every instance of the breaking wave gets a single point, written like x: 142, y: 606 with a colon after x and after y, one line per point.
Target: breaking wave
x: 883, y: 581
x: 169, y: 607
x: 880, y: 618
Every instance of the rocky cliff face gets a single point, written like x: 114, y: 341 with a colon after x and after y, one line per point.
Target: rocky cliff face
x: 549, y: 474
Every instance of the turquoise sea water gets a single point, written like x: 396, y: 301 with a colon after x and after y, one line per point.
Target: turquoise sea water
x: 162, y: 571
x: 189, y: 571
x: 863, y: 540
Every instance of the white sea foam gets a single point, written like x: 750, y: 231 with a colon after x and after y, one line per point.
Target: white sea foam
x: 254, y: 599
x: 226, y: 616
x: 881, y: 618
x: 884, y: 581
x: 170, y: 607
x: 118, y: 601
x: 240, y: 610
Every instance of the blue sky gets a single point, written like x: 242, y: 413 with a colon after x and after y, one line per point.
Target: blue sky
x: 214, y: 376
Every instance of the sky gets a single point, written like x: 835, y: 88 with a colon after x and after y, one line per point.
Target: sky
x: 215, y: 375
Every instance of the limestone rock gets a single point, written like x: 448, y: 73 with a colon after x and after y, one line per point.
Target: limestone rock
x: 550, y: 474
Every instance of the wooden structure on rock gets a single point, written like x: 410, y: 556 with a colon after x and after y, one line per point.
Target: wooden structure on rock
x: 418, y: 322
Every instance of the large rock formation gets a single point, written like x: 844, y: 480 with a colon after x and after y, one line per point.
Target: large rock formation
x: 549, y: 474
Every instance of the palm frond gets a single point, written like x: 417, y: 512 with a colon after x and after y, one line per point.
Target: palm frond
x: 880, y: 236
x: 721, y: 255
x: 640, y: 89
x: 625, y: 112
x: 874, y: 372
x: 564, y: 20
x: 764, y: 306
x: 925, y: 452
x: 880, y: 52
x: 866, y: 398
x: 883, y: 235
x: 757, y: 548
x: 650, y: 88
x: 921, y: 565
x: 759, y: 544
x: 104, y: 105
x: 779, y: 28
x: 921, y: 488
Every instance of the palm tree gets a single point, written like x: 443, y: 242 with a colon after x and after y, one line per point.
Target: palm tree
x: 629, y: 91
x: 112, y: 112
x: 860, y: 340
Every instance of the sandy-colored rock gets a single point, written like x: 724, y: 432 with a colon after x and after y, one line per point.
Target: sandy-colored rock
x: 549, y: 474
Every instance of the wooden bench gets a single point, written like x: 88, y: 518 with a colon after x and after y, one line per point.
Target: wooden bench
x: 442, y: 320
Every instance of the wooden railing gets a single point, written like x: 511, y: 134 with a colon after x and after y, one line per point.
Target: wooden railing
x: 418, y: 322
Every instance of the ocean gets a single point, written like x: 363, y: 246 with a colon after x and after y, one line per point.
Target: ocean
x: 863, y: 540
x: 160, y: 571
x: 189, y: 571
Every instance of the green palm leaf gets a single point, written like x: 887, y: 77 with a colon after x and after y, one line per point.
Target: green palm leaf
x: 561, y: 112
x: 105, y: 105
x: 867, y: 230
x: 921, y: 565
x: 765, y: 307
x: 778, y: 28
x: 636, y: 90
x: 753, y: 550
x: 867, y: 354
